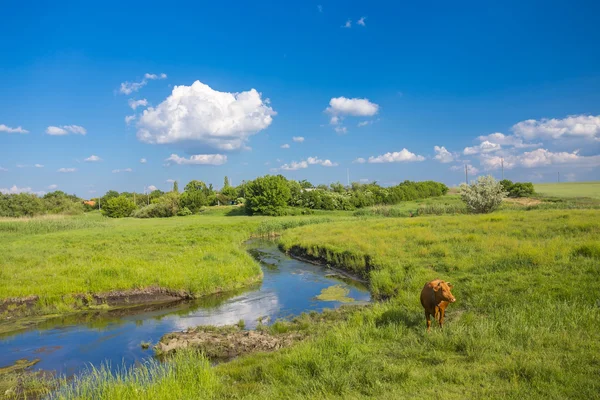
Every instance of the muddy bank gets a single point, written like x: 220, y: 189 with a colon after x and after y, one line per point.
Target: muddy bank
x: 223, y: 343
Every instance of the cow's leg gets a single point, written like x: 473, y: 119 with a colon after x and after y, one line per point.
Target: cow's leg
x: 428, y: 318
x: 442, y: 315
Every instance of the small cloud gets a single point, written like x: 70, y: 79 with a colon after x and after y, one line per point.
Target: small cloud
x: 170, y: 181
x: 398, y: 156
x: 130, y: 87
x: 361, y: 21
x: 116, y: 171
x: 143, y: 161
x: 65, y: 130
x: 129, y: 119
x: 364, y: 123
x: 93, y: 158
x: 348, y: 24
x: 198, y: 159
x: 285, y: 146
x: 364, y: 180
x: 443, y: 155
x: 320, y: 8
x: 359, y: 160
x: 52, y: 187
x: 67, y: 170
x: 8, y: 129
x: 152, y: 188
x: 137, y: 103
x: 341, y: 130
x: 38, y: 165
x: 293, y: 166
x: 2, y: 169
x: 298, y: 139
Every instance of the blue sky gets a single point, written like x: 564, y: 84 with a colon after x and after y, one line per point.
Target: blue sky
x: 386, y: 90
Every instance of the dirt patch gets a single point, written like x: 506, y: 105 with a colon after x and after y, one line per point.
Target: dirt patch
x: 226, y: 342
x: 523, y: 201
x: 151, y: 294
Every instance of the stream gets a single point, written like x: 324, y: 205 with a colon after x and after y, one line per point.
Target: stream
x: 71, y: 344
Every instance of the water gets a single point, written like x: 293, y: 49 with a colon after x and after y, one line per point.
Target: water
x: 69, y: 345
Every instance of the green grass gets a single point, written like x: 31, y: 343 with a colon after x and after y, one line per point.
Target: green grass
x: 569, y: 189
x: 525, y: 324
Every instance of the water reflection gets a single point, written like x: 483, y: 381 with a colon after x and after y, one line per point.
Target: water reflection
x: 289, y: 288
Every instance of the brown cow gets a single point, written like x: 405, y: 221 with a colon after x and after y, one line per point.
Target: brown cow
x: 435, y: 297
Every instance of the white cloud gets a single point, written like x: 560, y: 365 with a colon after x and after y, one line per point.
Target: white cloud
x: 348, y: 24
x: 15, y: 190
x: 93, y: 158
x: 137, y: 103
x: 53, y: 187
x: 170, y: 181
x: 293, y: 166
x: 364, y: 180
x: 298, y: 139
x: 285, y: 146
x: 573, y: 126
x: 21, y: 166
x: 507, y: 140
x: 320, y: 8
x: 484, y: 147
x: 130, y: 87
x: 354, y: 107
x: 66, y: 170
x: 220, y: 120
x: 471, y: 169
x: 8, y: 129
x: 129, y: 119
x: 38, y: 165
x: 152, y: 188
x: 359, y: 160
x: 361, y: 21
x: 398, y: 156
x: 116, y: 171
x: 364, y: 123
x: 3, y: 169
x: 198, y: 159
x: 539, y: 158
x: 65, y: 130
x: 143, y: 161
x: 442, y: 155
x: 341, y: 130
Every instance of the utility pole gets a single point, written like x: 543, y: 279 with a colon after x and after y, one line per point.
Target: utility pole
x: 348, y: 176
x: 99, y: 205
x: 502, y: 160
x: 558, y: 179
x: 466, y: 174
x: 134, y: 197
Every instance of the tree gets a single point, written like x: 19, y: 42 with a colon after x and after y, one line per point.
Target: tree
x: 268, y: 195
x: 483, y: 196
x: 175, y: 187
x: 118, y: 207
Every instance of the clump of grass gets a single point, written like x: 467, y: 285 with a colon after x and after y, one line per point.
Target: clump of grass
x: 273, y: 227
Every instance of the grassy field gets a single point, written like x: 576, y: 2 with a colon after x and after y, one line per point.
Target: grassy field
x: 524, y: 324
x: 569, y: 189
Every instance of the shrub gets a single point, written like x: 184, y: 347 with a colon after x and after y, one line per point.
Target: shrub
x: 184, y: 212
x: 118, y: 207
x: 483, y: 196
x: 268, y: 195
x: 517, y: 189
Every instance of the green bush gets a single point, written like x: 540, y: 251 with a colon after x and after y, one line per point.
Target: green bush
x: 268, y: 195
x: 118, y: 207
x: 518, y: 189
x: 184, y: 212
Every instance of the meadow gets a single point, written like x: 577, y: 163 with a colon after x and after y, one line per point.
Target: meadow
x: 569, y: 189
x: 524, y: 324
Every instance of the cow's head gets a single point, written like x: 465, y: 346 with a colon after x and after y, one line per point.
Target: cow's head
x: 442, y: 291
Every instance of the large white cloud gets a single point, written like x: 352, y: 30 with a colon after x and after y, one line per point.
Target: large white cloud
x: 573, y: 126
x: 197, y: 113
x: 442, y: 155
x: 484, y: 147
x: 398, y: 156
x: 8, y: 129
x: 65, y: 130
x: 198, y: 159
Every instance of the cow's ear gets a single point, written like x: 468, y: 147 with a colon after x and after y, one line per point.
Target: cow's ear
x: 449, y: 285
x: 437, y: 287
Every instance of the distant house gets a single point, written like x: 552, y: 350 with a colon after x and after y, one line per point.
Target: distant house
x: 90, y: 203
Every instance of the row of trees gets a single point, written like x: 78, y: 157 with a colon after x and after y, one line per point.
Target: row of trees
x: 29, y: 205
